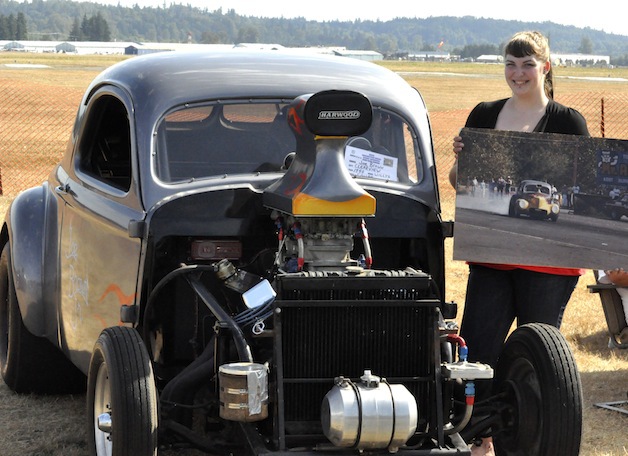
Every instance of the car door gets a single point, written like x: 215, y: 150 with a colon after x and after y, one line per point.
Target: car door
x: 98, y: 257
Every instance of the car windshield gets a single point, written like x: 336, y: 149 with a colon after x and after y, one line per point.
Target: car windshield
x: 535, y: 188
x: 202, y: 141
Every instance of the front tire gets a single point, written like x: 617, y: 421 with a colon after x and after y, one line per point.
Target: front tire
x: 512, y: 207
x: 29, y: 364
x: 537, y: 373
x: 121, y: 396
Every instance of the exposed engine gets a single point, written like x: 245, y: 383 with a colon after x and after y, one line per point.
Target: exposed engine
x: 304, y: 353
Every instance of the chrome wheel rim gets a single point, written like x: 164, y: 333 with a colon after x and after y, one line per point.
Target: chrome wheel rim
x: 102, y: 413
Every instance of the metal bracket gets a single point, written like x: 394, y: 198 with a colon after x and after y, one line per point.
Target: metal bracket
x: 448, y: 228
x: 617, y: 406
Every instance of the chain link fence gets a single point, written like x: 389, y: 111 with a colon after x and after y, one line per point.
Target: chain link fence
x: 34, y: 132
x: 36, y: 125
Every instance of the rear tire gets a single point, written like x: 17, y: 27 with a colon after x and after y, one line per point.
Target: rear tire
x: 121, y: 387
x: 537, y: 372
x: 29, y: 364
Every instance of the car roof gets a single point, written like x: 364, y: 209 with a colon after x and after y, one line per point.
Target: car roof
x: 159, y: 82
x: 535, y: 182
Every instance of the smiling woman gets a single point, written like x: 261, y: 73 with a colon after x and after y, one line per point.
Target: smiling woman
x: 503, y: 290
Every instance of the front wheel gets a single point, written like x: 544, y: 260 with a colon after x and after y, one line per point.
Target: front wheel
x: 512, y: 207
x: 121, y: 396
x: 537, y: 374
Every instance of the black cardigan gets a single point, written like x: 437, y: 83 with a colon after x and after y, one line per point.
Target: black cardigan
x: 557, y: 118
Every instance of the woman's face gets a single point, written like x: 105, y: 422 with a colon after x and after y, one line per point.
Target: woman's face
x: 525, y: 75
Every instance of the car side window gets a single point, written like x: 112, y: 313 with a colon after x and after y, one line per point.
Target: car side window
x: 105, y: 150
x: 217, y: 139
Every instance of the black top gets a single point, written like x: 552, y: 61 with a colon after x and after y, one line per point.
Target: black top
x: 557, y: 118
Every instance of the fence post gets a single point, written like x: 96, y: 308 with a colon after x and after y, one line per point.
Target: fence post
x: 602, y: 119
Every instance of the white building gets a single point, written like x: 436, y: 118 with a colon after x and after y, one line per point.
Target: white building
x: 92, y: 47
x: 578, y: 59
x: 29, y: 46
x: 429, y: 56
x: 133, y: 48
x: 361, y: 55
x: 70, y: 47
x: 490, y: 58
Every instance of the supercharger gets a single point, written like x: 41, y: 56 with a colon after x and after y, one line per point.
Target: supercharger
x: 370, y: 414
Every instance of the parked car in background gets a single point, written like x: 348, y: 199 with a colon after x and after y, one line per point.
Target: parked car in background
x: 618, y: 207
x: 243, y: 253
x: 535, y: 199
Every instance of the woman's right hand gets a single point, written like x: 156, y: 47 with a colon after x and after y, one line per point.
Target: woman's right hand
x: 453, y: 172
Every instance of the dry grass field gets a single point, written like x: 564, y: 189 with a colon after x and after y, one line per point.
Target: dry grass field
x: 34, y: 425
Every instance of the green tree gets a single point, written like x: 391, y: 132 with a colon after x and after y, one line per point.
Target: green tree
x: 95, y: 28
x: 369, y: 42
x: 75, y: 33
x: 101, y: 28
x: 4, y: 27
x: 386, y: 45
x: 586, y: 45
x: 174, y: 20
x: 208, y: 37
x: 248, y: 34
x: 12, y: 27
x: 20, y: 27
x: 85, y: 28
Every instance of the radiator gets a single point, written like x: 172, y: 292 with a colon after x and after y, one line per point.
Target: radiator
x: 326, y: 327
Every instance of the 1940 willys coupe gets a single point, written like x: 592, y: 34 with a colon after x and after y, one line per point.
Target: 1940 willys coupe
x: 243, y: 252
x: 536, y: 199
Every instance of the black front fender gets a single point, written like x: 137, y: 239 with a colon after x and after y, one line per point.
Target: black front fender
x: 32, y: 228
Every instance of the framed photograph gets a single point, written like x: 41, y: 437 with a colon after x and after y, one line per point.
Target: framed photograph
x: 542, y: 199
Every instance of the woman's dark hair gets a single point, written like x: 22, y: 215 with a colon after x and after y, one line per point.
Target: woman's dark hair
x: 523, y: 44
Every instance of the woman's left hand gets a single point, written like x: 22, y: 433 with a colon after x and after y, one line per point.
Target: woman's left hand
x: 458, y: 145
x: 618, y: 276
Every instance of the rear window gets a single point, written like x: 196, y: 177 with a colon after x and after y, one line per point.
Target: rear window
x: 204, y: 141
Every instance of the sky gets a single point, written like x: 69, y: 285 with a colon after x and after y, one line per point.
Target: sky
x: 599, y: 15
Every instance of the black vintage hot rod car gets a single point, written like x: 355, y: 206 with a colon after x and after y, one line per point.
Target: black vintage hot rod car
x: 243, y: 252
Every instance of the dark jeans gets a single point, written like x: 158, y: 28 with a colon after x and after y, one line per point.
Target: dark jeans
x: 496, y: 298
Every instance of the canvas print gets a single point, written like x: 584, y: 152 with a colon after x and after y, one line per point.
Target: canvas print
x: 542, y: 199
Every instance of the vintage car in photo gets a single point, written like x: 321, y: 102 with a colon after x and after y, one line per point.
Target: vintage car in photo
x: 243, y: 253
x: 618, y: 207
x: 535, y: 199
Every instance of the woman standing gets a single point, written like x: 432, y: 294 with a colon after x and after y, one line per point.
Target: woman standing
x: 497, y: 294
